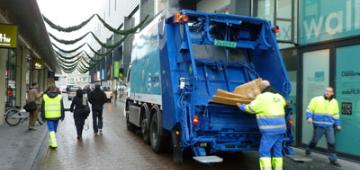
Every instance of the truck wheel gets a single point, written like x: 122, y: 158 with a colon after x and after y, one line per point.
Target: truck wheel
x: 145, y: 130
x: 156, y: 137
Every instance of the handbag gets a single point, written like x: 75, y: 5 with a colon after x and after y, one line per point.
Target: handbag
x: 85, y: 111
x: 30, y: 106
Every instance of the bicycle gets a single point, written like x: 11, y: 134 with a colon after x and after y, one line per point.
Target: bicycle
x: 15, y: 115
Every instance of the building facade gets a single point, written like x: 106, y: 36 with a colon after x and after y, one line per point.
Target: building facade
x: 30, y: 60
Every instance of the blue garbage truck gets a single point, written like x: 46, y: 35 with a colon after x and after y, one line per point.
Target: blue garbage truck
x: 179, y: 62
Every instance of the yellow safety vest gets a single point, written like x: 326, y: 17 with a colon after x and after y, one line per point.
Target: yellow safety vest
x: 270, y: 112
x: 325, y: 113
x: 52, y: 107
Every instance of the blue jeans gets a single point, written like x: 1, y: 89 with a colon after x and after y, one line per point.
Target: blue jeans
x: 330, y: 138
x: 52, y: 125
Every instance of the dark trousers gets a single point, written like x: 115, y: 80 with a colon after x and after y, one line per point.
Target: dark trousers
x: 97, y: 119
x: 79, y: 124
x: 330, y: 138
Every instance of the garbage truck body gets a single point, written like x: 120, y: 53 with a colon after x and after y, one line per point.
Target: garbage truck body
x: 177, y: 65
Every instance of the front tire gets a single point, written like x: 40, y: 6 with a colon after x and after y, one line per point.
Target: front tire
x: 145, y: 130
x: 156, y: 132
x: 10, y: 118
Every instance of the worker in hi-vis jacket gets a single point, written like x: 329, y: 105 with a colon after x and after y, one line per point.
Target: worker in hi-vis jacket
x: 269, y: 107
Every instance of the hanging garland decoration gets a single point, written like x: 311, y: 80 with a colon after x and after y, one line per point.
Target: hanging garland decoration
x: 62, y: 60
x: 65, y: 68
x: 86, y: 62
x: 100, y: 54
x: 68, y: 57
x: 93, y: 59
x: 68, y: 51
x: 103, y: 44
x: 82, y: 24
x: 68, y: 29
x: 67, y: 42
x: 111, y: 46
x: 123, y: 32
x: 69, y: 65
x: 67, y: 61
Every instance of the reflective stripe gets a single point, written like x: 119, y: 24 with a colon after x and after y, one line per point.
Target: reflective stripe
x: 272, y: 126
x: 325, y: 123
x: 270, y: 116
x: 324, y: 114
x: 265, y: 163
x: 277, y: 163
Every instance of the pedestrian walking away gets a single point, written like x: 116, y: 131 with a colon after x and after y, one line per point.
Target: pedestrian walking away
x: 323, y: 113
x: 52, y: 110
x: 80, y: 108
x: 269, y: 107
x: 34, y: 97
x: 97, y: 98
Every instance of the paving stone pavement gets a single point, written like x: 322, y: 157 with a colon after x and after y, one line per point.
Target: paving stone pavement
x: 118, y: 148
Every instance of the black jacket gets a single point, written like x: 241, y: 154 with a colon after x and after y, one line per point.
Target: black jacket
x: 52, y: 95
x: 78, y: 108
x: 97, y: 98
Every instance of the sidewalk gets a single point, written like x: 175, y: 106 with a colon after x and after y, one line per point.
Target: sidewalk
x: 319, y: 162
x: 21, y: 149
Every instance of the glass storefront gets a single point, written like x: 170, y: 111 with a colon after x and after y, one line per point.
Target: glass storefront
x: 348, y: 96
x: 316, y: 74
x: 10, y: 78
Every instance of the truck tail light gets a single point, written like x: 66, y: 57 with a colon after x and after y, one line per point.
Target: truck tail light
x: 276, y: 29
x: 196, y: 120
x: 184, y: 18
x: 180, y: 18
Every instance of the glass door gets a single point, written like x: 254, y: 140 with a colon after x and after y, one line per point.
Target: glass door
x: 316, y: 66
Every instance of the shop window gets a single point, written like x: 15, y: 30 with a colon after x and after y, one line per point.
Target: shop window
x: 315, y: 79
x: 282, y: 13
x: 348, y: 96
x: 10, y: 78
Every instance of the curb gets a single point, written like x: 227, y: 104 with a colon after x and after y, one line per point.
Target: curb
x: 41, y: 152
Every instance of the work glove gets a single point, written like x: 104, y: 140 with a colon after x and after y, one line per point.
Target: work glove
x: 242, y: 107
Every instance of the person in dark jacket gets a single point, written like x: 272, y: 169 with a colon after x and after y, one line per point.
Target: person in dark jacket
x: 80, y: 108
x: 52, y: 110
x: 97, y: 98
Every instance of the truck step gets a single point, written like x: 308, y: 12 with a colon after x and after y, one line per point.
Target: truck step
x: 208, y: 159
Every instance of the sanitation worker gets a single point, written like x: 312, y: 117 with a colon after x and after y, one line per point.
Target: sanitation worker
x: 52, y: 110
x: 323, y: 113
x: 270, y: 113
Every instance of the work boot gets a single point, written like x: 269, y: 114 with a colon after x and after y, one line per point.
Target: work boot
x: 52, y: 140
x: 335, y: 163
x: 32, y: 129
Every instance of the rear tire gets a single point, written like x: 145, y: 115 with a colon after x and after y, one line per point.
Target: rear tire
x: 145, y: 130
x: 10, y: 120
x: 156, y: 132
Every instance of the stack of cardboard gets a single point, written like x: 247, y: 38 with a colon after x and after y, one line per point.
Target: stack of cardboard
x: 243, y: 94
